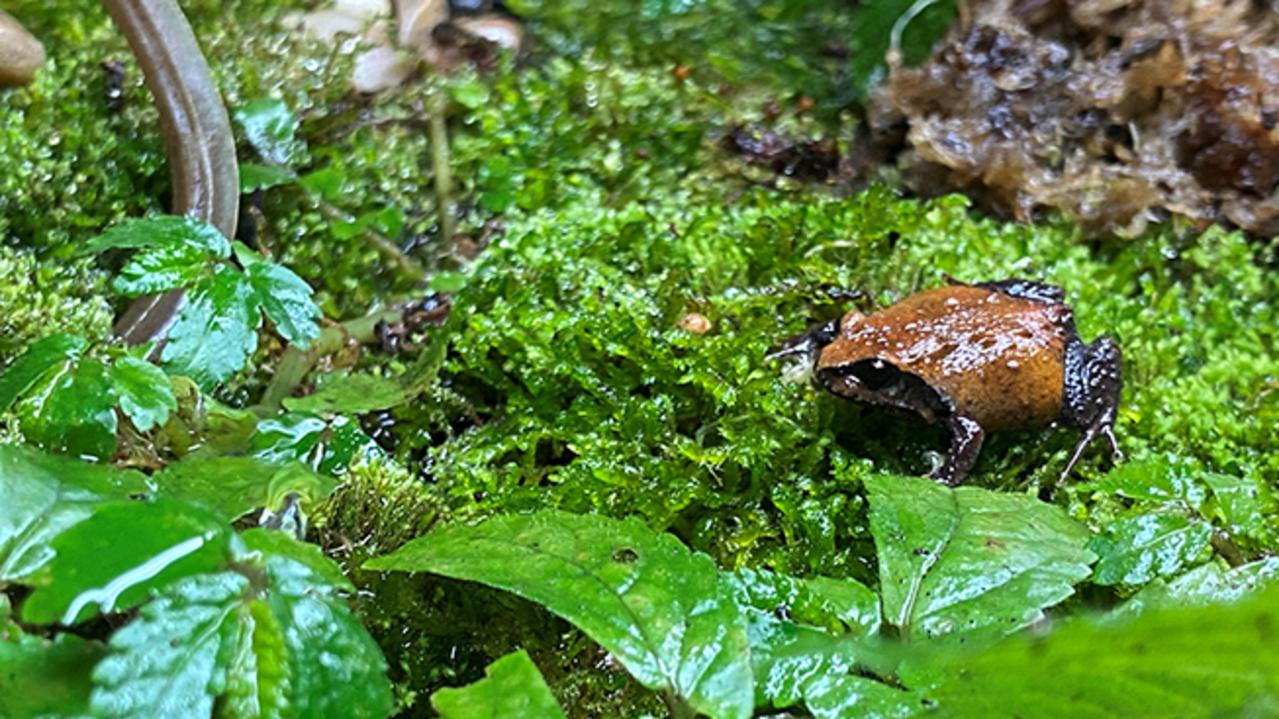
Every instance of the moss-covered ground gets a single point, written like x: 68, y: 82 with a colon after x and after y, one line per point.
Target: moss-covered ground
x: 566, y: 375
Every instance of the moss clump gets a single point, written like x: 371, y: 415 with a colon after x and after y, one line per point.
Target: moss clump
x: 39, y: 299
x: 586, y: 394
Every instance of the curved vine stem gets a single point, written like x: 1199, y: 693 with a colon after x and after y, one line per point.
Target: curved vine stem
x: 197, y: 136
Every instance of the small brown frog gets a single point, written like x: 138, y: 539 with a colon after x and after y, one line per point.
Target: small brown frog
x: 974, y: 358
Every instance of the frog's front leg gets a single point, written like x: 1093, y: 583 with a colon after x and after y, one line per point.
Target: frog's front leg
x: 966, y: 437
x: 1094, y: 381
x: 807, y: 344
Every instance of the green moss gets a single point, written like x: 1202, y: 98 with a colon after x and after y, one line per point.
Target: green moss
x: 40, y: 299
x: 589, y: 396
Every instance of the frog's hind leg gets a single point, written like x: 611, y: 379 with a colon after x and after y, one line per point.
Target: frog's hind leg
x: 1094, y: 381
x: 1026, y: 289
x: 966, y: 437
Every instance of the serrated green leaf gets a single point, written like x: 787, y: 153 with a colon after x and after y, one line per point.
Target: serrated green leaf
x: 853, y: 602
x: 286, y: 300
x: 216, y: 330
x: 512, y: 688
x: 353, y: 393
x: 72, y: 410
x: 956, y: 561
x: 39, y: 678
x: 167, y: 661
x: 271, y: 127
x: 41, y: 495
x: 162, y: 231
x: 266, y: 542
x: 161, y: 269
x: 283, y: 645
x: 1135, y: 550
x: 840, y: 696
x: 327, y: 447
x: 112, y: 559
x: 263, y: 177
x: 1243, y: 505
x: 40, y: 357
x: 1162, y: 479
x: 1205, y: 584
x: 663, y: 611
x: 232, y: 486
x: 145, y: 393
x: 1186, y: 663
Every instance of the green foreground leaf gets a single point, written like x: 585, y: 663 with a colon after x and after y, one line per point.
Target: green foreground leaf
x: 39, y: 678
x: 663, y: 611
x: 954, y: 561
x: 512, y: 688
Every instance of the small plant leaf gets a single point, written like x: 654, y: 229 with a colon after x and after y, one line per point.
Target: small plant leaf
x: 39, y: 678
x: 663, y: 611
x: 512, y: 688
x: 72, y: 410
x: 286, y: 300
x: 353, y: 393
x: 873, y: 30
x: 1205, y: 584
x: 216, y: 330
x: 171, y: 231
x: 41, y: 495
x: 271, y: 127
x: 41, y: 357
x: 145, y: 393
x: 1136, y: 549
x: 272, y: 641
x: 94, y: 571
x: 954, y: 561
x: 255, y: 176
x: 161, y: 269
x: 232, y: 486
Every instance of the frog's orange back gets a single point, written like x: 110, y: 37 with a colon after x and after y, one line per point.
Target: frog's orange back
x: 998, y: 358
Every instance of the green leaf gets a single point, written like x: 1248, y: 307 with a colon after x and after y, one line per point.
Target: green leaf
x: 1201, y: 662
x: 512, y: 688
x: 327, y: 182
x: 161, y: 269
x: 352, y: 393
x: 169, y: 231
x: 1135, y: 550
x: 274, y: 641
x: 72, y: 410
x: 232, y: 486
x: 1243, y: 504
x: 839, y: 696
x: 853, y: 602
x: 286, y: 300
x: 216, y: 330
x: 325, y: 446
x: 270, y: 126
x: 30, y: 366
x: 1206, y: 584
x: 663, y: 611
x: 46, y: 679
x: 272, y: 543
x: 110, y: 561
x: 145, y: 392
x: 41, y: 495
x: 1162, y: 479
x: 263, y: 177
x: 955, y: 561
x: 447, y: 281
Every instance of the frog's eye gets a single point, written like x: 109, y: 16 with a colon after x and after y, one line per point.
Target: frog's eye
x: 875, y: 374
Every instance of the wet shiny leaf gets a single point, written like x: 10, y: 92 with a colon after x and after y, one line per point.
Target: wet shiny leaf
x: 216, y: 330
x: 354, y: 393
x: 232, y: 486
x: 285, y: 298
x: 1205, y: 584
x: 271, y: 127
x: 512, y: 688
x: 255, y: 176
x: 955, y: 561
x: 145, y: 393
x: 663, y: 611
x: 275, y: 641
x: 1136, y: 549
x: 72, y: 410
x: 162, y: 231
x: 41, y: 357
x: 41, y: 495
x: 114, y: 558
x: 160, y: 269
